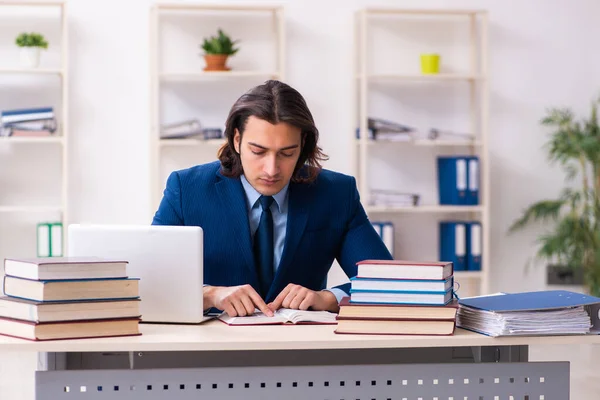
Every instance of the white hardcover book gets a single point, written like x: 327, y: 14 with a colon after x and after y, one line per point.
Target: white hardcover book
x: 43, y: 240
x: 56, y: 236
x: 388, y: 236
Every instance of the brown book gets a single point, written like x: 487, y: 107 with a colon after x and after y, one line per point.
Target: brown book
x: 399, y: 269
x: 69, y: 330
x: 30, y: 133
x: 71, y: 290
x: 36, y: 311
x: 48, y: 268
x: 397, y: 311
x: 395, y: 327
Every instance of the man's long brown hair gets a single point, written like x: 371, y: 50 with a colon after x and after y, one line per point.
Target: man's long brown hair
x: 274, y: 102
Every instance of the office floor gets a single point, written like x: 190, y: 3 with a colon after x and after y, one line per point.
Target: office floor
x: 17, y: 382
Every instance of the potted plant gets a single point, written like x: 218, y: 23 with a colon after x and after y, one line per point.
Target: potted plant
x: 217, y: 49
x: 574, y: 239
x: 31, y: 44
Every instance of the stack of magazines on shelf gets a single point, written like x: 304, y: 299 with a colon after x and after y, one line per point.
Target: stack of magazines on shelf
x: 392, y: 198
x: 549, y: 312
x: 401, y: 298
x: 31, y: 122
x: 63, y: 298
x: 188, y: 129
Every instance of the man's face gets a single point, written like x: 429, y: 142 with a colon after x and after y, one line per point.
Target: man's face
x: 268, y: 153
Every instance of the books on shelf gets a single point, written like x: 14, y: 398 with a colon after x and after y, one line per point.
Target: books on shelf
x: 458, y: 180
x: 191, y: 128
x: 549, y: 312
x: 65, y: 268
x: 391, y: 198
x: 461, y: 243
x: 33, y: 122
x: 49, y: 239
x: 70, y: 297
x: 385, y: 230
x: 282, y: 316
x: 400, y: 297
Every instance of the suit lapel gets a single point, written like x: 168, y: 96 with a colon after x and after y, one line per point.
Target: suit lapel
x: 298, y: 210
x: 232, y: 195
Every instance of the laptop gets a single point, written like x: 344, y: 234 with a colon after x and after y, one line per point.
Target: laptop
x: 168, y: 260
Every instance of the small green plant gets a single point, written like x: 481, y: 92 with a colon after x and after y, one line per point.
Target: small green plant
x: 31, y: 40
x: 220, y: 44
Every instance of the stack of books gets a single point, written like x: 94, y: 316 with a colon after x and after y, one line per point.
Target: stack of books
x: 64, y: 298
x: 401, y: 298
x: 28, y: 122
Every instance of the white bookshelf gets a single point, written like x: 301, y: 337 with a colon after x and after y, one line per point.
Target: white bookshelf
x: 387, y: 68
x: 27, y: 201
x: 179, y: 87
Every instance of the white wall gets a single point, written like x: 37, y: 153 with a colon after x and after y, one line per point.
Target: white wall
x: 542, y: 53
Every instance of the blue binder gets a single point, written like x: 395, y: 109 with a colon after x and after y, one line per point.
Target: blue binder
x: 474, y: 246
x: 453, y: 243
x: 473, y: 180
x: 386, y: 233
x: 452, y: 180
x: 530, y: 301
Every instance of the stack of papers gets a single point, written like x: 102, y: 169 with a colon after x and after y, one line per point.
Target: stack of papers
x: 553, y: 312
x: 568, y: 321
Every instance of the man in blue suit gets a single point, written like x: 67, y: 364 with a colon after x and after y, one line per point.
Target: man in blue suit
x: 274, y: 220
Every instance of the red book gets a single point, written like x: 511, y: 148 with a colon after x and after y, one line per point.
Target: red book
x: 399, y: 269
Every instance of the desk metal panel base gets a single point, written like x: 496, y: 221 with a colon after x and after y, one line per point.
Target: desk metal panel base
x: 452, y: 381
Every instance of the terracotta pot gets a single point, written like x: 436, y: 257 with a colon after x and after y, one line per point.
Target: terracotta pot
x: 216, y: 62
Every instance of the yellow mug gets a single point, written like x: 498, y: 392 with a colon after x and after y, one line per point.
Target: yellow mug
x: 430, y: 63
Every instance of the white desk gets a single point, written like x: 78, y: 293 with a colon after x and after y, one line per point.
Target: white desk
x: 214, y: 360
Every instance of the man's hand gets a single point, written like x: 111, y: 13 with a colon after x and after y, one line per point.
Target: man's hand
x: 300, y: 298
x: 235, y: 300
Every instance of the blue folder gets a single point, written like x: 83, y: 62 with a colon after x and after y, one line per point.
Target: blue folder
x: 453, y: 244
x: 452, y: 180
x: 474, y: 245
x: 531, y: 301
x: 472, y: 196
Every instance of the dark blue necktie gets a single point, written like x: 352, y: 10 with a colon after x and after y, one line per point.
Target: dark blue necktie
x: 263, y: 246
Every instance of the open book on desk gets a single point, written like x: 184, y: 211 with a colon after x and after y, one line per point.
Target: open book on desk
x: 282, y: 316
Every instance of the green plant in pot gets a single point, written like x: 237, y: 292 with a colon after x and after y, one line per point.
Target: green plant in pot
x: 574, y: 237
x: 31, y: 45
x: 217, y: 50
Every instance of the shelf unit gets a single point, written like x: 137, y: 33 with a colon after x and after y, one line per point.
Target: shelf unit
x: 406, y: 77
x: 178, y: 72
x: 16, y: 213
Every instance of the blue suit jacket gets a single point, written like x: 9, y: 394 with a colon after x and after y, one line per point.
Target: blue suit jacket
x: 325, y: 222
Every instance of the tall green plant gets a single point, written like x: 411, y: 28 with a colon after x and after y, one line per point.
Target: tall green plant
x: 574, y: 239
